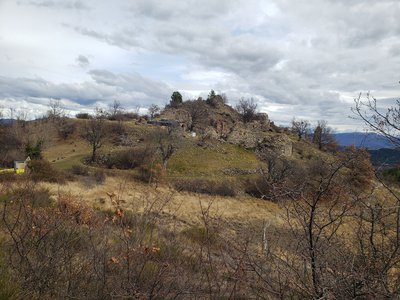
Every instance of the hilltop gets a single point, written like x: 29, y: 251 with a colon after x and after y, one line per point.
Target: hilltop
x: 200, y: 200
x: 215, y: 150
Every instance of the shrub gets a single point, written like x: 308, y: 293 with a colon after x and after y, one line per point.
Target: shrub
x: 203, y: 186
x: 80, y: 170
x: 151, y: 174
x: 130, y: 116
x: 66, y: 128
x: 38, y: 198
x: 34, y: 151
x: 247, y: 108
x: 42, y: 170
x: 84, y: 116
x: 116, y: 128
x: 7, y: 176
x: 127, y: 159
x: 145, y: 174
x: 99, y: 176
x: 258, y: 188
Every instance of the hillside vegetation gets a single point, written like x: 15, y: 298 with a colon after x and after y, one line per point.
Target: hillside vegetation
x: 116, y: 207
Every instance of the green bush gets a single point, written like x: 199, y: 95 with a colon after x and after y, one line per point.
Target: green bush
x: 34, y: 151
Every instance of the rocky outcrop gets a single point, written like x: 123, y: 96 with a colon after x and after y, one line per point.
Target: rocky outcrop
x: 244, y: 137
x: 248, y: 135
x: 220, y: 121
x: 279, y: 144
x: 180, y: 115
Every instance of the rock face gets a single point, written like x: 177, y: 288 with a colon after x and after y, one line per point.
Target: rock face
x: 280, y: 144
x: 221, y: 121
x: 248, y: 135
x: 182, y: 116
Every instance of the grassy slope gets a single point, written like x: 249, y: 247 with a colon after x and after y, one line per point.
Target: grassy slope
x: 65, y: 154
x: 189, y: 161
x: 192, y: 161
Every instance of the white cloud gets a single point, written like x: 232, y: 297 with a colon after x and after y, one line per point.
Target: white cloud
x: 298, y: 58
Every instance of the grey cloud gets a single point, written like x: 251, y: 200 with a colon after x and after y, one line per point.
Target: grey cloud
x: 130, y: 89
x: 394, y: 50
x: 305, y: 56
x: 39, y: 88
x: 83, y: 61
x: 133, y: 82
x: 333, y: 45
x: 123, y: 39
x: 62, y: 4
x: 169, y: 10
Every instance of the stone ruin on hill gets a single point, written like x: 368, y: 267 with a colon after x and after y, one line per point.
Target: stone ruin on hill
x: 222, y: 122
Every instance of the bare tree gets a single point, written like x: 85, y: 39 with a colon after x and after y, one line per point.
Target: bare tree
x: 247, y: 108
x: 153, y: 110
x: 323, y: 137
x: 318, y: 205
x: 197, y: 110
x: 12, y: 112
x: 115, y: 110
x: 166, y: 149
x: 136, y: 110
x: 224, y: 98
x: 378, y: 222
x: 385, y: 122
x: 300, y: 127
x: 94, y: 132
x: 56, y: 110
x: 167, y: 141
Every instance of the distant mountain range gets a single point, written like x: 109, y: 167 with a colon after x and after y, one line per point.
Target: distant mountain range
x: 6, y: 121
x: 383, y: 152
x: 371, y: 141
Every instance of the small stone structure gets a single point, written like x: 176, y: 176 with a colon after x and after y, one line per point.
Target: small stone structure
x: 21, y: 166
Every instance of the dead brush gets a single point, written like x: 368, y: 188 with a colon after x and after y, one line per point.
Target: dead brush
x: 69, y: 206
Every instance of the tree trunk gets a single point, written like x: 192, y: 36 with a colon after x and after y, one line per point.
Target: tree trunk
x: 93, y: 159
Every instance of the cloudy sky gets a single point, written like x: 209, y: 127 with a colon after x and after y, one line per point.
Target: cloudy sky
x: 298, y: 58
